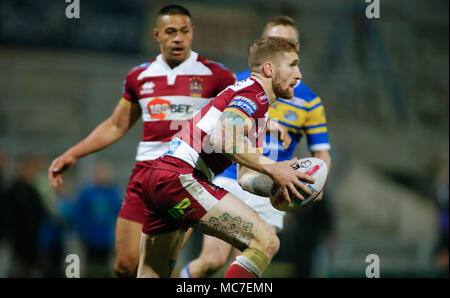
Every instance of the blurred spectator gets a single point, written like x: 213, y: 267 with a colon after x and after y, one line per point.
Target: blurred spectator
x: 51, y: 247
x: 24, y: 215
x: 97, y: 207
x: 58, y: 232
x: 40, y: 181
x: 50, y: 236
x: 65, y: 206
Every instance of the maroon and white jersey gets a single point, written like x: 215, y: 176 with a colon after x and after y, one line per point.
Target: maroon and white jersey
x: 247, y: 98
x: 166, y: 94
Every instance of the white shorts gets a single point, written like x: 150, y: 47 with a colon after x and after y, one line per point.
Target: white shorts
x: 261, y: 205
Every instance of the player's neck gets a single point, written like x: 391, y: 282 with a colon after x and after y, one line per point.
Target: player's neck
x: 266, y: 84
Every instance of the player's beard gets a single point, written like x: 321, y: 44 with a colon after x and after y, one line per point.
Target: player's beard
x: 175, y: 61
x: 281, y: 92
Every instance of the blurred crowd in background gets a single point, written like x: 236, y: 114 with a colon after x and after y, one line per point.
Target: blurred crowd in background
x: 41, y: 226
x: 383, y: 82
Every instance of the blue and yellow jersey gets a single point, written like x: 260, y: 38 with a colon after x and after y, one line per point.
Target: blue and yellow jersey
x: 304, y: 114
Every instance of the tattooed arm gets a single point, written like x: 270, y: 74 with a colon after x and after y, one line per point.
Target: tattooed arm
x: 228, y: 137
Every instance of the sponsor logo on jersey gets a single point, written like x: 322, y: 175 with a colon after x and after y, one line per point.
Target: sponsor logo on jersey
x: 147, y: 88
x: 244, y: 104
x: 174, y: 144
x: 247, y: 100
x: 158, y: 108
x: 290, y: 115
x: 262, y: 97
x: 196, y: 86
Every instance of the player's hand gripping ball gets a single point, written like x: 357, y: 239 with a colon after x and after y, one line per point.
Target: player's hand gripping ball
x: 311, y: 166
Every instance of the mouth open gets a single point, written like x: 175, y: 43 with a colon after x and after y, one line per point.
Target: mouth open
x: 176, y: 51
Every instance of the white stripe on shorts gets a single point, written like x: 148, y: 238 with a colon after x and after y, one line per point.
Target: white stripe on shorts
x: 198, y: 192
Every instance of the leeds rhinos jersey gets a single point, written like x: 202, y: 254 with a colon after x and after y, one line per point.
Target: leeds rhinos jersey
x: 246, y: 98
x: 166, y: 95
x: 304, y: 114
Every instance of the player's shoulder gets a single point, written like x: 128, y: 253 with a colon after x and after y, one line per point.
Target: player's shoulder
x: 136, y: 70
x: 250, y: 89
x: 246, y: 85
x: 304, y: 92
x: 241, y: 88
x: 214, y: 66
x: 248, y: 96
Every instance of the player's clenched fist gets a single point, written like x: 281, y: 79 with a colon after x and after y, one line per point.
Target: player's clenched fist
x: 58, y: 166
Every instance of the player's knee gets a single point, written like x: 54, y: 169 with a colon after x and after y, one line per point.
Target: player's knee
x: 273, y: 245
x: 125, y: 267
x: 270, y: 244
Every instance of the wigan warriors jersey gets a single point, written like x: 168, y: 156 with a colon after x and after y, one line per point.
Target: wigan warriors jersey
x: 303, y: 115
x: 246, y: 98
x: 168, y: 95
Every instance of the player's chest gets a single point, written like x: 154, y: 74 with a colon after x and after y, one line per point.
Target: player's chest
x: 163, y: 99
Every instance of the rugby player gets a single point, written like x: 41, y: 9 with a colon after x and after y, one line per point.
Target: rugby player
x: 166, y: 90
x: 178, y: 192
x: 304, y: 114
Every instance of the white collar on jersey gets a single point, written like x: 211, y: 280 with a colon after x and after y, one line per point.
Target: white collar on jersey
x: 189, y: 67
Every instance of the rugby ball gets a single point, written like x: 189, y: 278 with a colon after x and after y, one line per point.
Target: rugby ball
x: 311, y: 166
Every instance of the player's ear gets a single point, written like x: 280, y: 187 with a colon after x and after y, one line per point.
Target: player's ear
x: 267, y: 69
x: 156, y: 34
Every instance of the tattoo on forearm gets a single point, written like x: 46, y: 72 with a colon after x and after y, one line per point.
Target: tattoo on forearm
x: 234, y: 130
x: 232, y: 229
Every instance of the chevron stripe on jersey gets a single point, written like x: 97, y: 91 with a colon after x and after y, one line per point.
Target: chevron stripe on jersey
x: 167, y: 94
x: 191, y: 145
